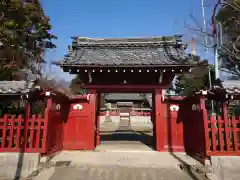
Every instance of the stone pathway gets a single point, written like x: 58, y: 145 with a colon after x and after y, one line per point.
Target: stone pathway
x: 124, y: 124
x: 114, y: 173
x: 117, y: 166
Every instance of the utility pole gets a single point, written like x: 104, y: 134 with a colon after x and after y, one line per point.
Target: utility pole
x: 215, y: 46
x: 217, y: 39
x: 204, y: 23
x: 206, y: 43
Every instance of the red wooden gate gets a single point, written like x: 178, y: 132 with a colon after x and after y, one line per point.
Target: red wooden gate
x: 79, y: 131
x: 56, y: 115
x: 191, y: 114
x: 173, y: 130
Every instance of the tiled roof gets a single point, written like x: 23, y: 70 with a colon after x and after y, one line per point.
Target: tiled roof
x: 124, y: 97
x: 15, y: 87
x: 133, y: 51
x: 232, y: 86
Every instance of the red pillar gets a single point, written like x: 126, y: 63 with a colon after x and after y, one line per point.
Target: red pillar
x: 158, y: 116
x: 26, y: 126
x: 93, y: 118
x: 205, y: 124
x: 97, y: 122
x: 46, y: 123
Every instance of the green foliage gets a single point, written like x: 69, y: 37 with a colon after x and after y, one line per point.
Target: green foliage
x: 234, y: 110
x: 197, y: 79
x: 76, y: 86
x: 15, y: 107
x: 24, y: 35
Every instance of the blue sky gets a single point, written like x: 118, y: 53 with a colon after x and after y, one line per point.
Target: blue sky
x: 112, y: 18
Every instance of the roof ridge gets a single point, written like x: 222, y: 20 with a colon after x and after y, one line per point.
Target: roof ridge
x: 176, y: 39
x: 130, y: 38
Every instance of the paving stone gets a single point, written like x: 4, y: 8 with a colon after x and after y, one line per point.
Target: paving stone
x: 117, y: 173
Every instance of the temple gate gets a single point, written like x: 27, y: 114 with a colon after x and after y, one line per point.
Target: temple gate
x: 142, y: 65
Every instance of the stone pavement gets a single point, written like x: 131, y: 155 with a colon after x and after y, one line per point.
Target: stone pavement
x: 76, y: 165
x: 112, y: 173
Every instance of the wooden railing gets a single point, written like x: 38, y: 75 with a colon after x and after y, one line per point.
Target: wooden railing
x: 22, y: 135
x: 223, y: 136
x: 32, y: 134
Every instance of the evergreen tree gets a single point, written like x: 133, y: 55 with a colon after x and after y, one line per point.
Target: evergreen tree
x: 196, y: 80
x: 24, y: 35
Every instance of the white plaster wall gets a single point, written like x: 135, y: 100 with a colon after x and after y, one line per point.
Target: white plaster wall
x: 141, y: 123
x: 226, y: 167
x: 22, y: 164
x: 140, y: 120
x: 138, y: 123
x: 135, y: 120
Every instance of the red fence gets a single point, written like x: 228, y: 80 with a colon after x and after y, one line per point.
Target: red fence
x: 223, y: 136
x: 20, y: 135
x: 193, y: 126
x: 34, y: 133
x: 205, y: 135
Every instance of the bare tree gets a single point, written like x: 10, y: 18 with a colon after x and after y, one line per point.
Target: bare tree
x: 227, y: 12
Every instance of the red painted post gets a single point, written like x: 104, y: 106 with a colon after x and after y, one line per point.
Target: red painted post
x: 205, y: 122
x: 26, y: 127
x: 97, y: 123
x: 159, y: 119
x: 11, y: 129
x: 226, y: 125
x: 31, y: 129
x: 235, y: 134
x: 98, y: 131
x: 4, y: 131
x: 38, y: 134
x: 19, y: 137
x: 213, y: 129
x: 45, y: 127
x: 220, y: 134
x: 93, y: 118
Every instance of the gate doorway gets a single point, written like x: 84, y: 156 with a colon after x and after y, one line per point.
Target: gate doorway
x: 125, y: 123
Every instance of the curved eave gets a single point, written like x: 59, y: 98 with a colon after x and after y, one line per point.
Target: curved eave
x: 122, y: 65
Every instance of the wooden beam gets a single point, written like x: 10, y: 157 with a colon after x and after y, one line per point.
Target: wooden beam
x: 125, y: 88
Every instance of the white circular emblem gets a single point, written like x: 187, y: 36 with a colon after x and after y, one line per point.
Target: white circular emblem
x: 194, y: 107
x: 58, y: 107
x: 174, y: 107
x: 77, y: 107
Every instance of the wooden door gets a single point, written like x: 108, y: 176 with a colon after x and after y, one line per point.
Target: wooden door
x: 173, y: 129
x: 79, y: 133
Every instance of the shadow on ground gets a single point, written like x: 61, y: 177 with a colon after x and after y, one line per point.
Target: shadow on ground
x: 128, y: 136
